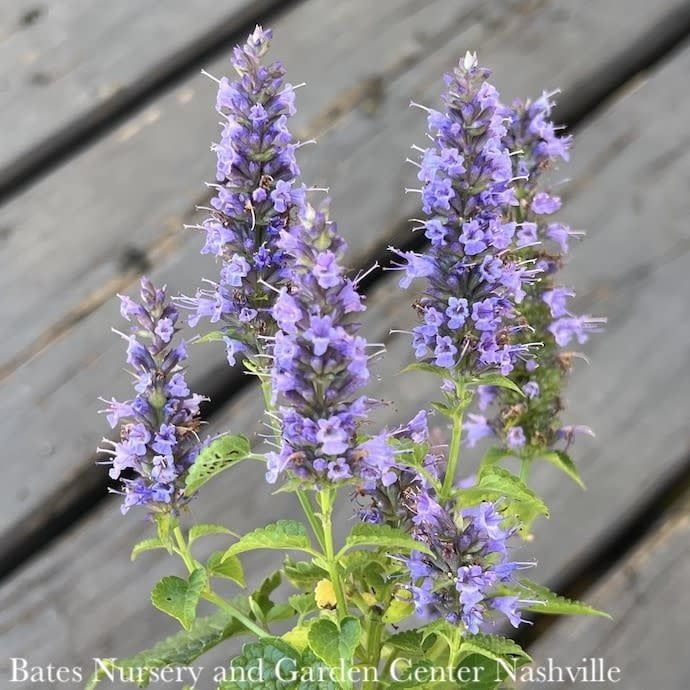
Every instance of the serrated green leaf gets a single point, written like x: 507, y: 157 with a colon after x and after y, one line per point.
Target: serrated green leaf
x: 443, y: 409
x: 287, y: 535
x: 428, y: 368
x: 496, y: 482
x: 204, y: 530
x: 178, y: 650
x: 501, y: 649
x: 165, y: 524
x: 417, y: 676
x: 229, y: 568
x: 146, y: 545
x: 564, y: 463
x: 280, y: 612
x: 260, y: 601
x: 303, y: 574
x: 493, y: 379
x: 364, y: 534
x: 555, y: 604
x: 479, y: 673
x: 411, y: 642
x: 222, y: 453
x: 179, y: 598
x: 332, y: 643
x: 303, y: 603
x: 260, y: 660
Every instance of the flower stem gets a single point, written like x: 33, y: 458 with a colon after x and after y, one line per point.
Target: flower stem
x: 326, y: 498
x: 232, y: 611
x: 453, y: 456
x: 373, y: 648
x: 209, y: 594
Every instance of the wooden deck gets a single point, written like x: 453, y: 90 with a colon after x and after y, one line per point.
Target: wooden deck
x: 106, y: 126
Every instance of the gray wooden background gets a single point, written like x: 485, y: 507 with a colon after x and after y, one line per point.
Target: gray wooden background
x: 105, y: 125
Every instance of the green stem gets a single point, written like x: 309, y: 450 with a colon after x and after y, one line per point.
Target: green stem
x: 326, y: 498
x: 209, y: 594
x: 455, y: 649
x: 525, y: 465
x: 232, y: 611
x: 453, y: 456
x: 308, y: 508
x: 373, y: 648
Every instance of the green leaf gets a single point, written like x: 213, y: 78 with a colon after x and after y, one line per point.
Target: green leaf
x: 428, y: 368
x: 179, y: 598
x: 178, y: 650
x: 554, y: 604
x: 411, y: 642
x: 146, y: 545
x: 212, y: 337
x: 564, y: 463
x: 397, y: 611
x: 496, y: 482
x: 260, y: 661
x: 198, y: 531
x: 260, y: 601
x: 280, y: 612
x: 303, y: 603
x: 476, y: 672
x: 493, y: 379
x: 333, y: 644
x: 288, y: 535
x: 229, y: 568
x: 216, y: 457
x: 364, y: 534
x: 165, y: 523
x: 303, y: 574
x: 502, y: 650
x: 444, y: 409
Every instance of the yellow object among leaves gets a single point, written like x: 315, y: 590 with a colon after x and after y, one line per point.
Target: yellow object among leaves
x: 325, y: 595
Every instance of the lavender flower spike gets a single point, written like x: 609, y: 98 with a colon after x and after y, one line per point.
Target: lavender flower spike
x: 158, y: 428
x: 531, y: 425
x: 255, y: 197
x: 320, y: 363
x: 473, y: 277
x: 468, y: 564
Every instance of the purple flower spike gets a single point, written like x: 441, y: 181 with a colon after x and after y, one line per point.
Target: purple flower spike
x: 255, y: 198
x: 474, y: 278
x: 158, y: 428
x: 319, y: 360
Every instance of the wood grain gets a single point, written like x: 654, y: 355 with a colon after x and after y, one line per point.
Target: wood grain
x: 365, y: 132
x: 76, y: 62
x: 645, y: 595
x: 81, y: 598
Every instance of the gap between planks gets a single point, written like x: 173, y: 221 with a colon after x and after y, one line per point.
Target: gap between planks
x: 81, y: 598
x: 78, y: 87
x: 73, y: 482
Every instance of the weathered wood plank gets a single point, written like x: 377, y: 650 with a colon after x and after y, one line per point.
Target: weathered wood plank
x: 74, y: 62
x: 645, y: 595
x: 48, y: 470
x: 55, y: 607
x: 78, y: 229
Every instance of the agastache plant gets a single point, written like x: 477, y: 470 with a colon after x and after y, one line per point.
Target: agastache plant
x: 256, y: 192
x: 431, y: 572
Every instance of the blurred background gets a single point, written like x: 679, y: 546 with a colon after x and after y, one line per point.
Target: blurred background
x: 105, y: 127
